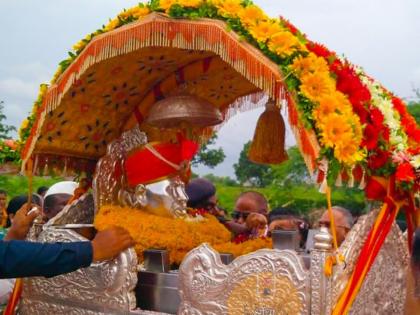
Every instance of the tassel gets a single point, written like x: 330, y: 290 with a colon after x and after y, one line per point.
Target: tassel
x: 351, y: 178
x: 339, y: 180
x: 362, y: 184
x: 268, y: 144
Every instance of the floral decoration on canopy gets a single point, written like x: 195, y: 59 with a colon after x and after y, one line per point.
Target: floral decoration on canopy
x: 363, y: 129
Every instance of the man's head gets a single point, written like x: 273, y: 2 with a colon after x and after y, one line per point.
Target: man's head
x: 249, y: 202
x: 57, y: 197
x: 288, y: 220
x: 201, y: 194
x: 42, y: 191
x: 17, y: 202
x: 343, y: 221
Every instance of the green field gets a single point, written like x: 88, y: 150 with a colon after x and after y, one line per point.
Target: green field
x: 302, y: 198
x: 18, y: 185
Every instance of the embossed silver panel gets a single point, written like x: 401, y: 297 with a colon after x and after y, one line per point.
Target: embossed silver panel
x: 384, y: 289
x: 104, y: 287
x: 263, y: 282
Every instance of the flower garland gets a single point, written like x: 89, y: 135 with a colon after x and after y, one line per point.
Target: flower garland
x: 354, y: 120
x: 178, y: 236
x: 150, y: 231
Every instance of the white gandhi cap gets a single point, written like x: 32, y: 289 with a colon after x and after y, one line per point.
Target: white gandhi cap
x: 66, y: 187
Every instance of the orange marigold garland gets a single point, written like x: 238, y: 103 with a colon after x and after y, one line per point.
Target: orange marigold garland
x: 178, y: 236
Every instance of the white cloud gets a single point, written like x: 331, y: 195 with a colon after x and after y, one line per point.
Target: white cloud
x: 16, y: 87
x: 379, y: 35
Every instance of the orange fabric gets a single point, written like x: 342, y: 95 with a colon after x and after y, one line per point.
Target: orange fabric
x: 143, y: 166
x: 372, y: 246
x: 14, y: 298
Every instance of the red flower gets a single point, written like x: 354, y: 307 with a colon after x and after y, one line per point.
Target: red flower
x: 377, y: 117
x: 371, y: 136
x: 240, y: 238
x: 319, y: 50
x: 293, y: 29
x: 361, y: 111
x: 385, y: 133
x: 378, y: 159
x: 405, y: 173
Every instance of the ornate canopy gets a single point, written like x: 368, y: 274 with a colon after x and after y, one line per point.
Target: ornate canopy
x: 233, y: 56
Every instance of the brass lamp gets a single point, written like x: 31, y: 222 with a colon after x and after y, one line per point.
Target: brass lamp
x: 182, y: 110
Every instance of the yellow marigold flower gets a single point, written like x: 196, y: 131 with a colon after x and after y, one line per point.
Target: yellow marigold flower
x: 335, y: 129
x: 309, y: 64
x: 284, y: 43
x: 327, y: 106
x: 264, y: 30
x: 25, y: 124
x: 135, y: 12
x: 79, y: 45
x: 113, y: 24
x: 348, y: 153
x: 166, y: 4
x: 228, y: 8
x: 190, y: 3
x: 140, y: 12
x: 315, y: 86
x: 332, y: 103
x: 251, y: 15
x: 152, y: 231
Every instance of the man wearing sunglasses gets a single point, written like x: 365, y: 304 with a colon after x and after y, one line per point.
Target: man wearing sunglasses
x: 249, y: 216
x: 343, y: 221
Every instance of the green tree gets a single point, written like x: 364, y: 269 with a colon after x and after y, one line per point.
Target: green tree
x: 293, y: 171
x: 246, y: 171
x: 414, y: 109
x: 4, y: 129
x: 209, y: 157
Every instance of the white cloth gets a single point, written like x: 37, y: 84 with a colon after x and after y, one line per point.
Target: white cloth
x: 66, y: 187
x: 6, y: 288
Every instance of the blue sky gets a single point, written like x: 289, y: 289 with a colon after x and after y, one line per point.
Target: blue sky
x: 379, y: 35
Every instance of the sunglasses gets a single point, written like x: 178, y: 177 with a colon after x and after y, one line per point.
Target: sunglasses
x: 236, y: 215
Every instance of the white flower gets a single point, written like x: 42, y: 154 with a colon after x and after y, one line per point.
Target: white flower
x: 415, y: 161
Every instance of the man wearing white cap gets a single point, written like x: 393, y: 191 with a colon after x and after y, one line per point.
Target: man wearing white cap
x: 57, y: 197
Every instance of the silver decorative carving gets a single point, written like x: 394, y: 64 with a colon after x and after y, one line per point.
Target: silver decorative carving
x: 320, y: 284
x: 384, y: 288
x: 263, y: 282
x: 109, y: 177
x: 80, y: 211
x: 110, y: 184
x: 105, y: 286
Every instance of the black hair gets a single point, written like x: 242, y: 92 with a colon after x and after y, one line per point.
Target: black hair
x: 2, y: 191
x: 282, y: 213
x: 42, y: 190
x: 17, y: 202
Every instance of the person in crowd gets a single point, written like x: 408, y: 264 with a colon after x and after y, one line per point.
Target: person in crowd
x: 343, y: 221
x: 287, y: 219
x: 57, y: 197
x: 42, y: 191
x: 16, y: 203
x: 249, y: 216
x: 3, y: 213
x: 19, y: 258
x: 202, y: 195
